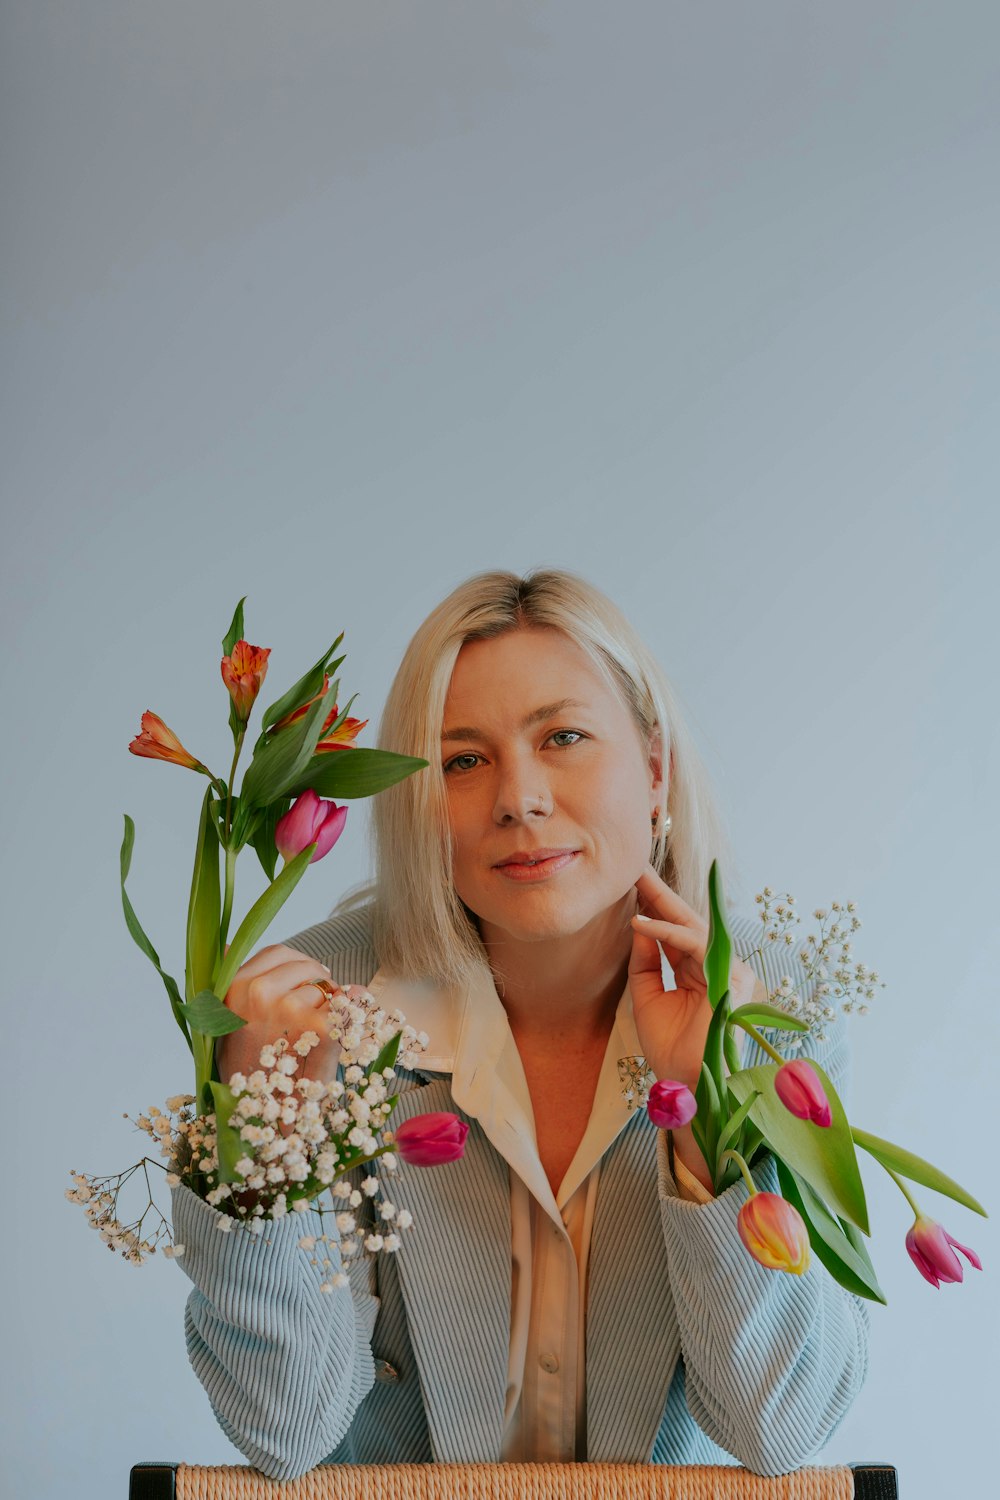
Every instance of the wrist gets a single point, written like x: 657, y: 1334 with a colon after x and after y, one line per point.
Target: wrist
x: 686, y: 1150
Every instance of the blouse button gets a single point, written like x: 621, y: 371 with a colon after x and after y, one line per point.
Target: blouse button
x: 549, y: 1362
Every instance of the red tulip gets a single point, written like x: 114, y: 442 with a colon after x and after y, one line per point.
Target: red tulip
x: 243, y: 672
x: 798, y: 1086
x: 431, y: 1139
x: 774, y: 1233
x: 670, y: 1104
x: 310, y: 819
x: 157, y: 742
x: 929, y: 1246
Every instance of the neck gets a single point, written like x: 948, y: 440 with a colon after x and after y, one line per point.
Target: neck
x: 566, y: 988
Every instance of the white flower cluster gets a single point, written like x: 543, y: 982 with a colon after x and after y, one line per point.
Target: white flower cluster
x: 293, y: 1138
x: 849, y: 983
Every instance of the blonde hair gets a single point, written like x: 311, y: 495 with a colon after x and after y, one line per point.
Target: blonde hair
x: 421, y: 928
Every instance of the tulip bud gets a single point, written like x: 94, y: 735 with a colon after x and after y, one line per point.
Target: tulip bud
x: 310, y: 820
x: 243, y: 672
x: 431, y: 1139
x: 670, y: 1104
x: 774, y: 1233
x: 157, y: 742
x: 929, y: 1246
x: 798, y: 1086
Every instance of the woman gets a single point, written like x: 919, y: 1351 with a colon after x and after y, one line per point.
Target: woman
x: 571, y: 1289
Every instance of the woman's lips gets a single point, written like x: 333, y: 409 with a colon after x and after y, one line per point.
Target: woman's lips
x: 544, y: 867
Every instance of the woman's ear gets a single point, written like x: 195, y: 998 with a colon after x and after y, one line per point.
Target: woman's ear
x: 656, y: 760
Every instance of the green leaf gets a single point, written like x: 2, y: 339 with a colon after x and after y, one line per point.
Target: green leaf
x: 204, y: 906
x: 209, y: 1017
x: 700, y: 1138
x: 140, y: 938
x: 354, y: 771
x: 260, y: 916
x: 307, y: 687
x: 282, y: 757
x: 228, y: 1142
x: 733, y: 1060
x: 235, y: 631
x: 263, y: 833
x: 719, y: 952
x: 916, y: 1169
x: 847, y: 1261
x: 709, y: 1112
x: 712, y: 1058
x: 234, y: 634
x: 387, y: 1057
x: 246, y: 822
x: 824, y: 1156
x: 752, y: 1141
x: 770, y: 1015
x: 731, y: 1131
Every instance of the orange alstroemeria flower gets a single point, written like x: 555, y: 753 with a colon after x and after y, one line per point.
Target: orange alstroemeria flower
x: 158, y: 742
x: 243, y: 672
x: 344, y: 737
x: 341, y: 739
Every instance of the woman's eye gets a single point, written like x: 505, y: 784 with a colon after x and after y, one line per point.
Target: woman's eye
x: 469, y: 755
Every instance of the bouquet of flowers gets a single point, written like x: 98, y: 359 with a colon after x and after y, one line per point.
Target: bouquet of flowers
x: 790, y: 1108
x: 259, y: 1147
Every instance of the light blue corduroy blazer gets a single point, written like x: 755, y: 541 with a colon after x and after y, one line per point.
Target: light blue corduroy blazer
x: 694, y: 1354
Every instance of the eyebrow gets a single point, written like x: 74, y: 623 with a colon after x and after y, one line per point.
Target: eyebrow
x: 463, y: 732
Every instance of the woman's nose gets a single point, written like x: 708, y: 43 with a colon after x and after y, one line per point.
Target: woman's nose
x: 520, y: 797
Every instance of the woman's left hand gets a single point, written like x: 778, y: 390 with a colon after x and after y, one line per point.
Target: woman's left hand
x: 672, y: 1024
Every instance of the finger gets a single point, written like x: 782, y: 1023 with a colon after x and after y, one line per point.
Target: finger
x: 269, y: 958
x: 645, y: 956
x: 311, y: 996
x: 656, y: 896
x: 669, y: 933
x: 285, y: 978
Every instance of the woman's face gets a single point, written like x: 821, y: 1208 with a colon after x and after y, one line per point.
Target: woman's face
x: 574, y: 778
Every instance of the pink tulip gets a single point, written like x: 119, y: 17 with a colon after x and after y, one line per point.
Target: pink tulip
x: 774, y: 1233
x: 670, y: 1104
x: 798, y: 1086
x: 309, y: 820
x: 431, y: 1139
x: 929, y: 1246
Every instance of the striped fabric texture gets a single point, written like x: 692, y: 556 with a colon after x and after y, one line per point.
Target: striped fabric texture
x: 695, y: 1353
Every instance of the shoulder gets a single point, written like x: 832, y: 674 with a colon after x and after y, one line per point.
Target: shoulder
x: 343, y: 942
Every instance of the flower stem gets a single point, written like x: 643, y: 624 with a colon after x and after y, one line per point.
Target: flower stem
x: 737, y: 1158
x: 908, y: 1196
x: 762, y: 1043
x: 228, y: 899
x: 232, y: 777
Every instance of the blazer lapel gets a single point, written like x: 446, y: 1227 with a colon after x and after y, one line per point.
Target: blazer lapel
x: 633, y: 1341
x: 454, y: 1271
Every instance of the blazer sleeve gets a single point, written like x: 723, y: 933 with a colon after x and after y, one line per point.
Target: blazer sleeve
x: 773, y: 1361
x: 285, y: 1366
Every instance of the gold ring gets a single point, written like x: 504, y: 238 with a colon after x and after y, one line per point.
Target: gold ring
x: 327, y: 988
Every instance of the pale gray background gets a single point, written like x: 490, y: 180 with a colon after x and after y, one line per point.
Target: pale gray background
x: 333, y: 304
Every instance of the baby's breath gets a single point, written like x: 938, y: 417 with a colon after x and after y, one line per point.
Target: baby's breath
x: 299, y: 1138
x: 831, y: 980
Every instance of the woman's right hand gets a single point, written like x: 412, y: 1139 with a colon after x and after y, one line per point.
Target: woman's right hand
x: 276, y: 993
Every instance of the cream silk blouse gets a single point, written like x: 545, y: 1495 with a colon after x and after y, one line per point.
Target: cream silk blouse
x: 470, y: 1038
